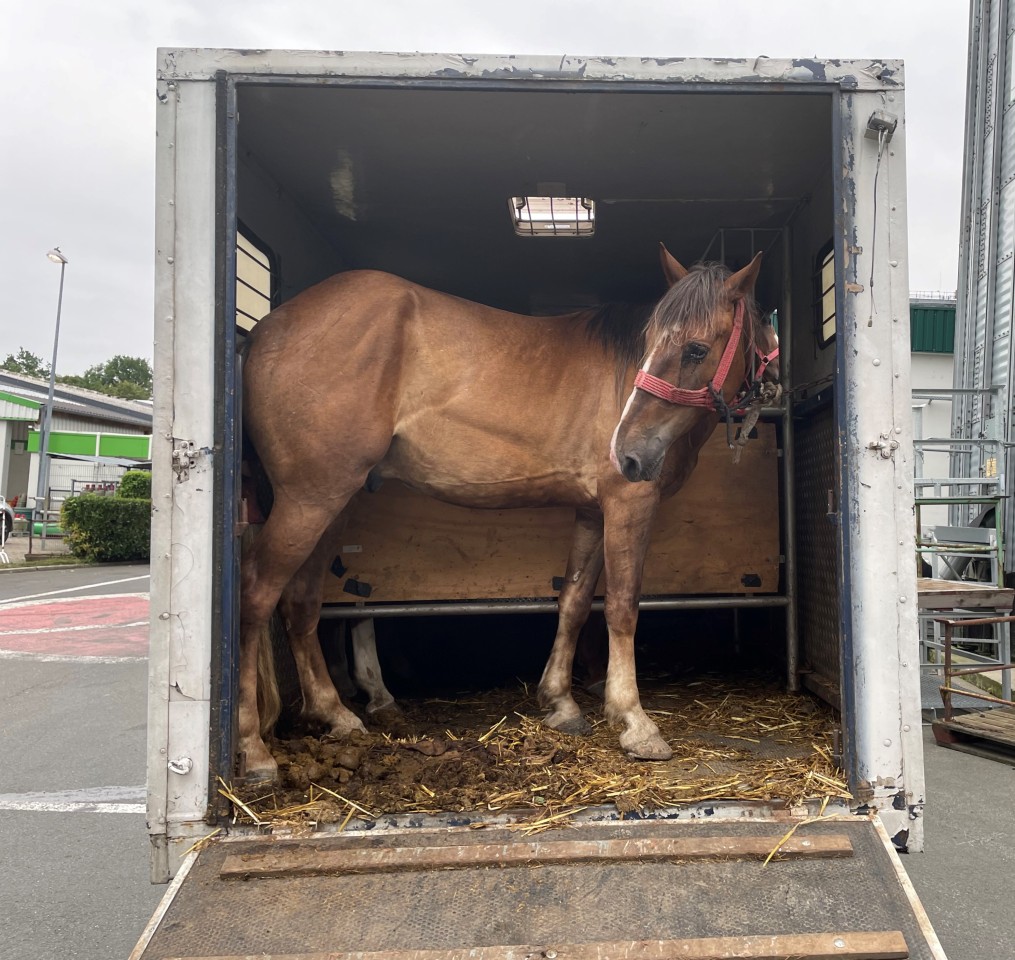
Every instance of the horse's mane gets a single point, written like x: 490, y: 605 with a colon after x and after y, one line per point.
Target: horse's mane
x: 698, y: 298
x: 619, y: 328
x: 624, y: 329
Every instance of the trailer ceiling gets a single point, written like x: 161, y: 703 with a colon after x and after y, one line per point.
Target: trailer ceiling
x: 416, y: 179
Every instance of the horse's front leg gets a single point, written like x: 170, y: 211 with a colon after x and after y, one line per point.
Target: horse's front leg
x: 583, y: 568
x: 628, y: 527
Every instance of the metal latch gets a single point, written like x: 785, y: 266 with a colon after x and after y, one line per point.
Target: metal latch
x: 885, y: 446
x: 184, y: 458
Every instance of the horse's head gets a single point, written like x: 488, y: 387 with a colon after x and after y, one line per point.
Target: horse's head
x: 697, y: 342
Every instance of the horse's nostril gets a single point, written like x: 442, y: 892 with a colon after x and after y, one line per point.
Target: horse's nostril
x: 631, y: 467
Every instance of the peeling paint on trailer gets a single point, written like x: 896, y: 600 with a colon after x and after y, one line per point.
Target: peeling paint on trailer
x: 200, y: 64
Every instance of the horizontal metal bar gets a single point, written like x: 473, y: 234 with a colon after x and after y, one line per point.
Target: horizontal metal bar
x: 977, y: 696
x: 981, y: 668
x: 931, y: 392
x: 932, y: 501
x: 975, y: 622
x: 454, y: 608
x: 957, y: 481
x: 956, y: 546
x: 959, y: 441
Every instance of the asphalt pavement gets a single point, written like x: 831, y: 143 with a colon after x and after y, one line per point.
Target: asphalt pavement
x: 73, y: 847
x: 73, y: 843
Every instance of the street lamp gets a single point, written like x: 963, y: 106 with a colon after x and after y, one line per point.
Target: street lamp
x: 40, y: 491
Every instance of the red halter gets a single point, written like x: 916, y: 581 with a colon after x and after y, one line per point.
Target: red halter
x: 709, y: 395
x: 766, y: 359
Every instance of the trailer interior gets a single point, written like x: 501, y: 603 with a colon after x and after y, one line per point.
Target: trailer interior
x: 450, y: 186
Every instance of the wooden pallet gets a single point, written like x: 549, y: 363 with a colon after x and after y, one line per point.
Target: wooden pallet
x: 986, y: 733
x: 934, y: 594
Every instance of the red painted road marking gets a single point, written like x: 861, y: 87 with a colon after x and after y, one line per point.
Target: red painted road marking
x: 109, y: 626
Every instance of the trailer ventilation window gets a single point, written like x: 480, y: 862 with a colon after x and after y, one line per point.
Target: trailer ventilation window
x: 824, y: 285
x: 553, y: 216
x: 255, y: 281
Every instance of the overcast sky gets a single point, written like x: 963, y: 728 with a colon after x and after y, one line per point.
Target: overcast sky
x: 77, y: 116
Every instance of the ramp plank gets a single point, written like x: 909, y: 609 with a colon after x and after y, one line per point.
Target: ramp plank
x: 282, y: 862
x: 888, y: 945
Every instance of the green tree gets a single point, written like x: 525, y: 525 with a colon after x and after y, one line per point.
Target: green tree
x: 120, y: 376
x: 27, y: 363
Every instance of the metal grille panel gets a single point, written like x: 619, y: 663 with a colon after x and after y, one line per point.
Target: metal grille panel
x: 817, y: 546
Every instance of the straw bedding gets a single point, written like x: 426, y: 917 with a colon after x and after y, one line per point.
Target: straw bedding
x: 738, y: 740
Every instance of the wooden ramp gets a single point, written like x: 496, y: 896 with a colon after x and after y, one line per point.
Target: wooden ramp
x: 638, y: 890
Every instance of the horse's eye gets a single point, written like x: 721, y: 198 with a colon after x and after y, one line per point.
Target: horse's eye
x: 695, y: 352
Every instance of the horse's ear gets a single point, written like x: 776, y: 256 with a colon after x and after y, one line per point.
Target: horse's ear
x: 741, y: 284
x: 673, y: 270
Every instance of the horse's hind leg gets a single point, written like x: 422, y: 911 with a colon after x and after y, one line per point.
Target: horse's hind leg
x: 583, y: 568
x: 300, y: 606
x: 367, y: 668
x: 287, y: 539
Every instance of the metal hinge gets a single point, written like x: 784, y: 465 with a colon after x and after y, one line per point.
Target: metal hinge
x: 885, y: 446
x: 184, y: 457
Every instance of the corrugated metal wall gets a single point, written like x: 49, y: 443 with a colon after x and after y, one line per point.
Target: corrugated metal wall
x: 73, y: 424
x: 932, y: 327
x: 983, y: 341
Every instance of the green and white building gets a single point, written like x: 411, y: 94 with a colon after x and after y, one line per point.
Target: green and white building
x: 94, y: 438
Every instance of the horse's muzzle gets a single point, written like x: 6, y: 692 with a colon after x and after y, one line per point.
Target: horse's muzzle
x: 635, y: 467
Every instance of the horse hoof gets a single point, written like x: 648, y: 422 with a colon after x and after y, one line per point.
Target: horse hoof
x: 573, y: 726
x: 389, y: 709
x: 386, y: 717
x: 651, y: 748
x: 597, y: 689
x: 342, y: 728
x: 259, y: 769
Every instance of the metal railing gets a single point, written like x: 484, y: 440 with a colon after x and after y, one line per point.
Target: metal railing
x: 1004, y: 666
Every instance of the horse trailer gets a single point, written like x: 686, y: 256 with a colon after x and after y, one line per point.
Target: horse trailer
x: 542, y: 185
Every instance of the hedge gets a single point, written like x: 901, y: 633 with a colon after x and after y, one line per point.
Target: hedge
x: 107, y: 528
x: 135, y: 485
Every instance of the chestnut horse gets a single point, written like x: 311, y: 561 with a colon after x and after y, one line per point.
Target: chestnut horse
x: 367, y: 377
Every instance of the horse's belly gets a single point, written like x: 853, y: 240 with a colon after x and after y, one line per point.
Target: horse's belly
x: 475, y: 482
x: 505, y: 494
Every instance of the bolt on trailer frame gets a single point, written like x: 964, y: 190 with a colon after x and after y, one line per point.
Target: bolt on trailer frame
x: 864, y: 507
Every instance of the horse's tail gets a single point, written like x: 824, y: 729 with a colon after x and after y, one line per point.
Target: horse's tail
x: 260, y: 498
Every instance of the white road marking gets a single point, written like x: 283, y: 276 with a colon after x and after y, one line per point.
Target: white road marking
x: 65, y: 657
x: 88, y: 800
x: 85, y: 626
x: 87, y: 586
x: 21, y: 604
x: 65, y: 807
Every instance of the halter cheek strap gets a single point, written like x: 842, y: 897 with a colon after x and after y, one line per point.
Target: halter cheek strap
x: 709, y: 395
x: 766, y: 359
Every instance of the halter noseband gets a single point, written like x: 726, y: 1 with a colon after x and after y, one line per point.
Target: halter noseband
x: 709, y: 395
